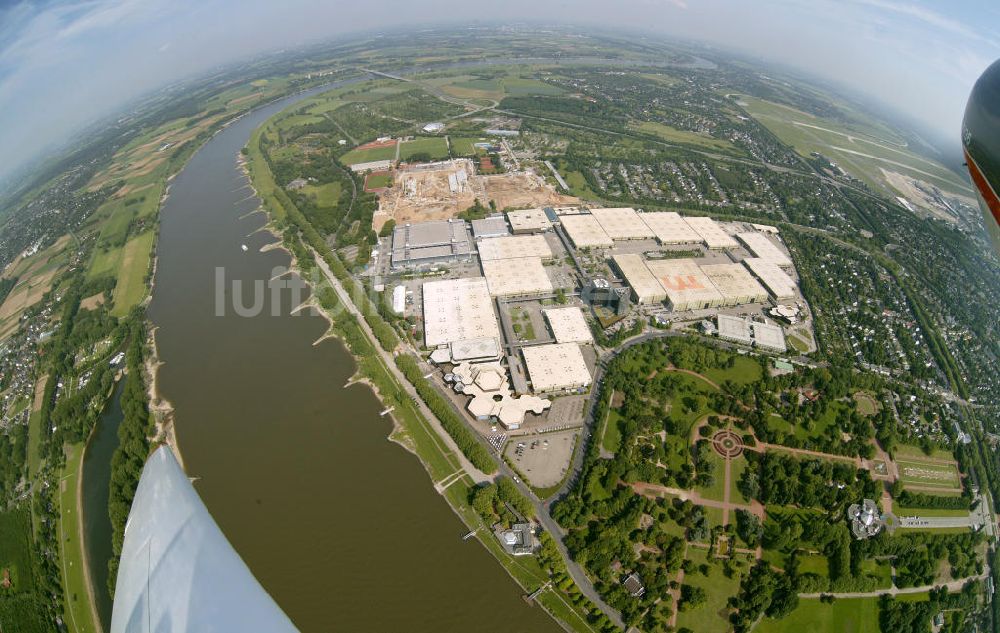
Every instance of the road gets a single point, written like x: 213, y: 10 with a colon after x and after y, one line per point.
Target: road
x: 390, y: 362
x: 954, y: 585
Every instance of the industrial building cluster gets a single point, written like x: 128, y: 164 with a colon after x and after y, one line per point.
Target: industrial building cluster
x: 506, y: 301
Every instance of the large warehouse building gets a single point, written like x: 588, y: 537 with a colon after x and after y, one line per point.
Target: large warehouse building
x: 514, y: 246
x: 687, y: 287
x: 556, y: 367
x: 735, y: 284
x: 430, y: 242
x: 710, y: 232
x: 622, y: 223
x: 528, y: 221
x: 457, y: 310
x: 646, y: 288
x: 518, y: 277
x: 762, y: 246
x: 670, y: 228
x: 568, y: 325
x: 777, y: 281
x: 586, y: 231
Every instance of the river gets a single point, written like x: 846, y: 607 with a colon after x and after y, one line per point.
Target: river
x: 341, y: 526
x: 96, y: 487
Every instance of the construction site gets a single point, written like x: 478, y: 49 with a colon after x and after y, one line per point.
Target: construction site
x: 441, y: 190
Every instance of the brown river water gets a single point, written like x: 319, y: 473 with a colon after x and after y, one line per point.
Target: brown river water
x: 340, y: 525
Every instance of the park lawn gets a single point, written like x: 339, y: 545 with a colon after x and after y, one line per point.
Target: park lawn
x: 298, y: 120
x: 902, y: 511
x: 131, y: 287
x: 903, y: 451
x: 685, y: 419
x: 737, y: 466
x: 674, y: 135
x: 368, y: 155
x: 435, y: 146
x: 325, y: 195
x: 814, y: 564
x: 846, y: 615
x: 714, y: 516
x: 914, y: 597
x: 880, y: 570
x: 464, y: 145
x: 15, y: 549
x: 717, y: 491
x: 77, y: 608
x: 743, y: 372
x: 708, y: 617
x: 612, y: 432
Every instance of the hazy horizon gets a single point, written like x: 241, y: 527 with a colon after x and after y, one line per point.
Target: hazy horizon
x: 64, y: 65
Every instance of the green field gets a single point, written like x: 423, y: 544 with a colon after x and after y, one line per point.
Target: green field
x: 709, y: 616
x: 855, y: 615
x: 378, y: 181
x: 131, y: 286
x: 902, y: 511
x: 517, y: 86
x: 902, y: 451
x: 737, y: 467
x: 15, y: 549
x: 368, y: 155
x: 612, y: 432
x: 866, y: 403
x: 464, y: 145
x: 435, y: 146
x: 684, y: 137
x: 78, y: 612
x: 717, y: 490
x: 325, y: 195
x: 743, y: 372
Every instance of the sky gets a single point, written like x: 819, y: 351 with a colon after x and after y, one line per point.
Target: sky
x: 65, y: 64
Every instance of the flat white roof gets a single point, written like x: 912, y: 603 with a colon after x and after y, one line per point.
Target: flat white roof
x: 644, y: 284
x: 568, y: 325
x: 586, y: 231
x: 710, y: 232
x: 769, y: 336
x: 732, y: 328
x: 734, y: 283
x: 457, y: 310
x: 622, y: 223
x: 528, y: 220
x: 516, y: 277
x: 670, y: 228
x: 514, y: 246
x: 556, y: 367
x: 762, y: 246
x: 776, y: 280
x: 684, y: 282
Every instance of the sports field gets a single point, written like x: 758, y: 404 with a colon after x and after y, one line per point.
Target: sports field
x: 356, y: 156
x: 855, y: 615
x: 464, y: 145
x: 434, y: 146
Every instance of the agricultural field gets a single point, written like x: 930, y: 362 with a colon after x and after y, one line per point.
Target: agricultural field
x: 856, y: 615
x: 131, y: 286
